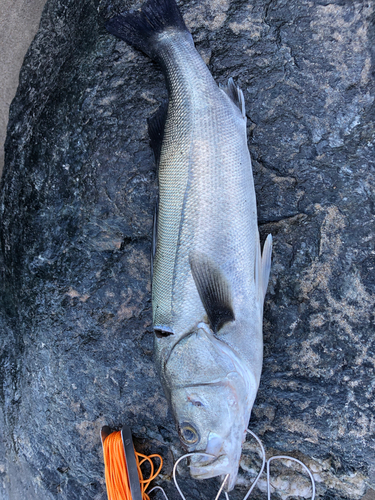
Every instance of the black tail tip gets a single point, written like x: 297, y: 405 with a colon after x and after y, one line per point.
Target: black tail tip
x: 139, y: 28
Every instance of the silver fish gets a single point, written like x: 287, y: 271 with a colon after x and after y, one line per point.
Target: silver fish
x: 209, y: 277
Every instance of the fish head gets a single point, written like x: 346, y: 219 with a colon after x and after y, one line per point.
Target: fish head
x: 210, y: 419
x: 211, y: 399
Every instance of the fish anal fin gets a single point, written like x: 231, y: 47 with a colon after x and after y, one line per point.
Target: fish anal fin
x: 214, y: 290
x: 156, y: 125
x: 236, y: 95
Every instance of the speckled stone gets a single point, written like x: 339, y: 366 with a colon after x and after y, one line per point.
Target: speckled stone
x: 77, y: 199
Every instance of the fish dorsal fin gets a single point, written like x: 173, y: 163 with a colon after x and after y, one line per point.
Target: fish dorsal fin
x: 156, y: 125
x: 263, y: 267
x: 213, y: 288
x: 236, y: 95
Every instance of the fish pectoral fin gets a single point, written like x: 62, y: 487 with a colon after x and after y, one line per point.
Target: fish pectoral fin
x: 162, y: 331
x: 213, y: 288
x: 236, y: 95
x: 263, y: 267
x: 156, y: 125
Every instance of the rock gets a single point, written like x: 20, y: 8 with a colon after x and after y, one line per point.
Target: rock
x: 18, y: 24
x: 78, y: 192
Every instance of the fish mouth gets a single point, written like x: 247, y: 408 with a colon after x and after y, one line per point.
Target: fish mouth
x: 203, y: 468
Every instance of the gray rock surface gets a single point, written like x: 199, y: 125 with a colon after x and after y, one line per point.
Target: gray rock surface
x: 77, y: 199
x: 19, y: 20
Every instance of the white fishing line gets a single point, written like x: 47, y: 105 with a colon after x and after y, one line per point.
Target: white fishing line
x: 221, y: 487
x: 158, y: 488
x: 284, y: 457
x: 182, y: 458
x: 264, y: 464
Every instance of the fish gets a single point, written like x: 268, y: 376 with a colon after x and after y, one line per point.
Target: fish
x: 209, y: 276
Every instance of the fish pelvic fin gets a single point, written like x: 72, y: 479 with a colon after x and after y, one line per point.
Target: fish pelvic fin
x: 263, y: 267
x: 213, y: 288
x: 140, y: 28
x: 236, y: 95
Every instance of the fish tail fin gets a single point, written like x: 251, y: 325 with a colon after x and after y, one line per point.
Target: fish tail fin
x: 141, y: 28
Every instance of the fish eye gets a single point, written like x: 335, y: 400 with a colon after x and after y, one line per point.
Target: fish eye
x: 188, y: 434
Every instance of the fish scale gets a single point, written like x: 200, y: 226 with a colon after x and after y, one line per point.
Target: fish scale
x: 202, y: 190
x: 209, y: 277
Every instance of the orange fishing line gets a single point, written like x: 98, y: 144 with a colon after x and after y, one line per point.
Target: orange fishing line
x: 116, y: 472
